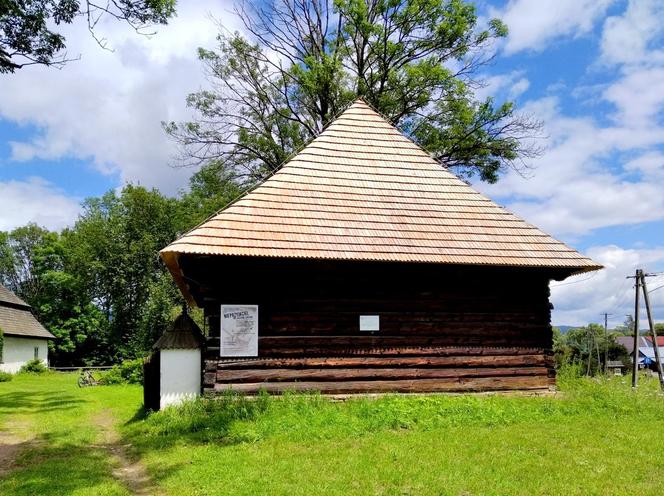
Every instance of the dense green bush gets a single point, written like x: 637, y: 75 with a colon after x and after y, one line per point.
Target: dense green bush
x: 127, y: 372
x: 34, y: 366
x: 5, y: 376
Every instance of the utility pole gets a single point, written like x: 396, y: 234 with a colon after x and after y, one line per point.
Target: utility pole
x: 635, y: 361
x: 606, y: 340
x: 653, y: 332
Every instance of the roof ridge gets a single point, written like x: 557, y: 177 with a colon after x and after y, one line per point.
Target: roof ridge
x: 242, y: 194
x: 348, y: 177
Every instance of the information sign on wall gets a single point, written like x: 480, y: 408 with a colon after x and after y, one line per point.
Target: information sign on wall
x: 369, y: 323
x: 239, y: 331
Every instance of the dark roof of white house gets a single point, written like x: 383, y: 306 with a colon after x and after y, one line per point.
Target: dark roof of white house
x: 16, y: 317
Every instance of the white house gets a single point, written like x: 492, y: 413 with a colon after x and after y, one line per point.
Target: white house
x: 24, y: 338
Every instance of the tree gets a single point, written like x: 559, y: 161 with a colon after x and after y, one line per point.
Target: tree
x: 21, y: 250
x: 627, y: 327
x: 587, y: 346
x: 37, y: 265
x: 116, y: 243
x: 415, y: 61
x: 210, y: 188
x: 26, y: 27
x: 100, y: 286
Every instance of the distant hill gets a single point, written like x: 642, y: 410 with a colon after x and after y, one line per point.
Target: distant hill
x: 565, y: 328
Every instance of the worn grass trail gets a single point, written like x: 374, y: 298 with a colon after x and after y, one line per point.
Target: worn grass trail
x: 67, y: 441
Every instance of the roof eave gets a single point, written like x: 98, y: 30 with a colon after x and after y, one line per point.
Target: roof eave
x: 30, y: 336
x: 171, y: 259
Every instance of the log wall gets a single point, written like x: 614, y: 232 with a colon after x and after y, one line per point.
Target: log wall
x: 442, y: 328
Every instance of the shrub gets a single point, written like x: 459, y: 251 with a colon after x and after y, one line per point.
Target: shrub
x: 127, y: 372
x: 5, y: 376
x: 569, y: 372
x: 34, y: 366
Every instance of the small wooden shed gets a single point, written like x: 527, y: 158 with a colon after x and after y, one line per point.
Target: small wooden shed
x: 363, y: 265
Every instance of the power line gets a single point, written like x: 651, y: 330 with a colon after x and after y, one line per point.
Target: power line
x: 622, y: 299
x: 574, y: 282
x: 658, y: 287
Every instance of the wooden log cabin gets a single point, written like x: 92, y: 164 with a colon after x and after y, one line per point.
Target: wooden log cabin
x: 373, y: 269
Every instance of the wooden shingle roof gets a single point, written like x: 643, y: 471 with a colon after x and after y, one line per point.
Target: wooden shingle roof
x: 363, y: 191
x: 7, y: 296
x: 16, y: 317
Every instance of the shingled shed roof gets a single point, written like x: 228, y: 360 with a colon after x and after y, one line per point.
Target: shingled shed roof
x: 16, y: 318
x: 363, y: 191
x: 183, y: 333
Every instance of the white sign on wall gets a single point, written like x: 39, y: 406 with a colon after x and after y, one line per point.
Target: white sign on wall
x: 369, y: 323
x: 239, y: 331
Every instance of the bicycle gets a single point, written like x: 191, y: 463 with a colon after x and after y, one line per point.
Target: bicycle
x: 86, y: 378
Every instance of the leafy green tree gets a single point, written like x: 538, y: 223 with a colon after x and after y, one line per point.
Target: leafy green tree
x: 303, y: 61
x: 588, y: 346
x: 37, y: 265
x: 116, y: 243
x: 626, y: 328
x: 210, y: 189
x: 561, y: 351
x: 27, y: 34
x: 19, y: 253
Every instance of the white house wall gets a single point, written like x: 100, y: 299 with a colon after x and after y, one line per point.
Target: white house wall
x: 180, y: 376
x: 17, y: 351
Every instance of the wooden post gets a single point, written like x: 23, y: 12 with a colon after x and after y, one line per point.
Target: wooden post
x: 599, y: 360
x: 653, y: 332
x: 606, y: 341
x: 635, y: 364
x: 590, y: 353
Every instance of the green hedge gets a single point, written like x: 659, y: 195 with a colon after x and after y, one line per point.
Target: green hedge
x: 2, y: 343
x: 127, y: 372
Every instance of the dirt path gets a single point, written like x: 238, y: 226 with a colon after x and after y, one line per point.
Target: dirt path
x: 14, y: 437
x: 131, y: 473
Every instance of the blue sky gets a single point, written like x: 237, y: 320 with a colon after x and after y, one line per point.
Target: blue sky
x: 591, y: 70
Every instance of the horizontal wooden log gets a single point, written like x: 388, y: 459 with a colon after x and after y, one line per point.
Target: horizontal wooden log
x: 365, y: 340
x: 291, y: 375
x: 402, y: 386
x: 212, y: 352
x: 367, y: 362
x: 316, y: 347
x: 431, y: 329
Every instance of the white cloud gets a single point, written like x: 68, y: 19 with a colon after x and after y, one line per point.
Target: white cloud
x: 582, y: 299
x: 521, y: 86
x: 626, y: 39
x: 108, y: 106
x: 650, y: 165
x: 534, y: 24
x: 638, y: 96
x: 35, y: 200
x: 511, y: 85
x: 573, y: 191
x: 596, y: 174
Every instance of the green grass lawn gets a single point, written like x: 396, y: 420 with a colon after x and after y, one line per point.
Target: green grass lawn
x: 598, y: 437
